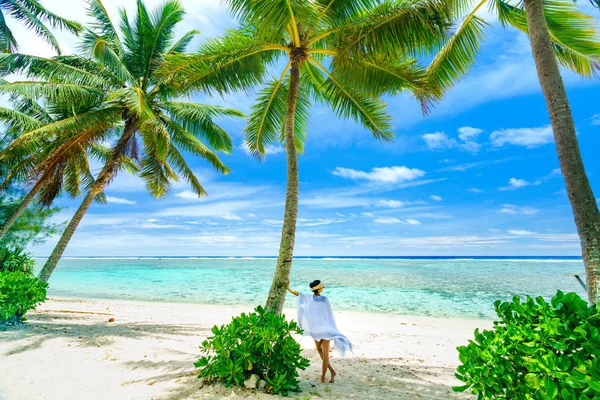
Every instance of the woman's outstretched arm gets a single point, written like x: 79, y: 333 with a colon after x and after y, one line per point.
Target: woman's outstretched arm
x: 292, y: 291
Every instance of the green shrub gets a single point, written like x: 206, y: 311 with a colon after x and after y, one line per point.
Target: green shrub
x: 15, y: 259
x: 257, y: 343
x: 19, y: 293
x: 535, y: 351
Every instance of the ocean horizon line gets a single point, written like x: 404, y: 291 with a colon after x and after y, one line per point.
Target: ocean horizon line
x: 333, y: 257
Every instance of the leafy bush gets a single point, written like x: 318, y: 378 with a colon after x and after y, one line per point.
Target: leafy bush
x: 15, y: 259
x: 536, y: 351
x: 19, y: 293
x: 257, y: 343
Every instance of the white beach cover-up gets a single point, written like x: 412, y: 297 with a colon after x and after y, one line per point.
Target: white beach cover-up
x: 315, y: 317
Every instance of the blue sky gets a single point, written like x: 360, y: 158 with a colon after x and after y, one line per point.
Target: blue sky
x: 478, y: 176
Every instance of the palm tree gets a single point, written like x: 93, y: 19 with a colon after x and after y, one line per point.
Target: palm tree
x: 154, y: 128
x: 559, y: 33
x: 581, y: 196
x: 49, y: 165
x: 335, y: 51
x: 33, y: 15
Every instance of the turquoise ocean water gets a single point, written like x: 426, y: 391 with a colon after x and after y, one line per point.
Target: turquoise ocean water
x: 449, y: 287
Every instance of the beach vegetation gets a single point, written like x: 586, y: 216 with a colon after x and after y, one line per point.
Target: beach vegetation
x: 20, y: 290
x: 258, y: 343
x: 536, y: 350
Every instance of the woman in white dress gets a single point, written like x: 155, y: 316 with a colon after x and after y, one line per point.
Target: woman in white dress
x: 315, y: 317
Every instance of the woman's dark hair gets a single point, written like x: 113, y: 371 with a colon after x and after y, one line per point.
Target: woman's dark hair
x: 313, y: 284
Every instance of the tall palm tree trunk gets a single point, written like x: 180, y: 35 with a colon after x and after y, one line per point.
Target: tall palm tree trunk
x: 583, y: 202
x: 108, y: 171
x: 20, y: 209
x: 288, y: 232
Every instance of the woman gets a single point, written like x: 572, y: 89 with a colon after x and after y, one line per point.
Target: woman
x: 316, y: 319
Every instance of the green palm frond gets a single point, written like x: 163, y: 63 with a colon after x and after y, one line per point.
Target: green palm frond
x: 54, y: 92
x: 105, y: 54
x: 185, y: 171
x: 457, y: 54
x: 8, y: 43
x: 181, y: 45
x: 99, y: 119
x: 339, y: 12
x: 274, y: 16
x: 198, y: 119
x: 56, y: 21
x: 103, y: 26
x: 18, y: 121
x: 378, y: 75
x: 266, y: 116
x: 49, y: 70
x: 162, y: 22
x: 31, y: 21
x: 186, y: 141
x: 347, y: 103
x: 395, y: 27
x: 574, y: 34
x: 237, y: 61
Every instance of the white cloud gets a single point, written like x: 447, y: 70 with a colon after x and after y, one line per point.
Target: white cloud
x: 467, y: 133
x: 474, y: 190
x: 595, y: 119
x: 514, y: 184
x: 520, y: 232
x: 393, y: 174
x: 439, y: 141
x: 392, y: 220
x: 436, y: 197
x: 187, y: 195
x: 527, y: 137
x: 387, y: 220
x: 119, y: 200
x: 397, y: 203
x: 515, y: 210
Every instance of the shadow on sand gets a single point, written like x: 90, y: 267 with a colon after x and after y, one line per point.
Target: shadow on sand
x: 177, y: 379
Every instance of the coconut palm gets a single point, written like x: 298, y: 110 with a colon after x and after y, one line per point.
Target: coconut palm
x: 48, y: 165
x: 34, y: 16
x: 559, y: 34
x: 581, y: 196
x: 154, y: 128
x: 337, y: 52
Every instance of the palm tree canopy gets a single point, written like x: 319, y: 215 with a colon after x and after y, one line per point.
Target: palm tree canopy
x: 574, y: 35
x: 34, y: 16
x: 350, y: 52
x: 60, y: 162
x: 114, y: 75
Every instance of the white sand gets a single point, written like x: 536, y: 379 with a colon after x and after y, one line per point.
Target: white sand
x: 69, y: 350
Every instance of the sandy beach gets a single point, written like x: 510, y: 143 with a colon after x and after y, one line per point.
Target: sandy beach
x: 70, y: 350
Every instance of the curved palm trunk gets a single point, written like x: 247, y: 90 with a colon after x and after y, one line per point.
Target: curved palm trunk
x: 10, y: 221
x: 288, y: 233
x: 583, y: 202
x: 108, y: 171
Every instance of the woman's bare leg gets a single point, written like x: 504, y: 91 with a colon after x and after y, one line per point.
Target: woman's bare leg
x: 320, y: 350
x: 326, y: 364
